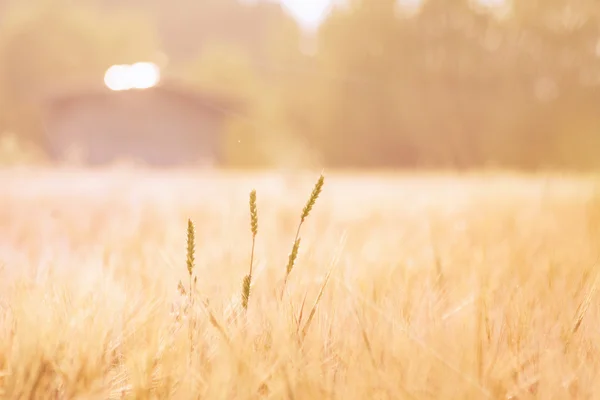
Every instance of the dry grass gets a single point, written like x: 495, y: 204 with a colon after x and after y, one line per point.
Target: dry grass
x: 441, y: 287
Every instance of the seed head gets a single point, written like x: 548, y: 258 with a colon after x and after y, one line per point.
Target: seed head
x: 293, y: 256
x: 313, y: 197
x: 191, y: 244
x: 246, y: 291
x: 253, y: 213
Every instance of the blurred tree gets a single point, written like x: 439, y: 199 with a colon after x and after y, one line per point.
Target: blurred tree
x: 264, y: 133
x: 354, y: 119
x: 453, y: 85
x: 225, y: 70
x: 391, y: 80
x: 558, y: 66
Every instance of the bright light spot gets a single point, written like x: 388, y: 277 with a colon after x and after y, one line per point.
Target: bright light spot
x: 142, y: 75
x: 116, y: 77
x: 309, y: 13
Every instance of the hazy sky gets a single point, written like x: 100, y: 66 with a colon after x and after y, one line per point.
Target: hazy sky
x: 310, y: 13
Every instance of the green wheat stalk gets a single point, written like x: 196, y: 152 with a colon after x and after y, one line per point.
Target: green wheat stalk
x: 254, y: 229
x: 190, y: 261
x: 305, y: 213
x: 190, y: 258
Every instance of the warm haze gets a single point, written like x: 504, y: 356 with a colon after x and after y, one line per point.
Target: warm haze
x: 193, y: 206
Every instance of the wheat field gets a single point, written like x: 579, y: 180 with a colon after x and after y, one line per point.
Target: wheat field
x: 429, y: 286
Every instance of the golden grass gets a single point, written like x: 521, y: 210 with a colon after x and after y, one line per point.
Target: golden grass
x: 440, y: 287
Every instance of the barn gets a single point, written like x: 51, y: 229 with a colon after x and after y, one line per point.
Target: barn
x: 167, y: 125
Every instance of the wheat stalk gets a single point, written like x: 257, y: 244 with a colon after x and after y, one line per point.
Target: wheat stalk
x: 254, y: 229
x: 190, y: 258
x: 317, y: 189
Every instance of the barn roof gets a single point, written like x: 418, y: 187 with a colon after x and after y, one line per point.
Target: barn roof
x: 78, y: 92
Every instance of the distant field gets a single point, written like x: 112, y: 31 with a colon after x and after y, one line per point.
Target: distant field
x: 441, y: 287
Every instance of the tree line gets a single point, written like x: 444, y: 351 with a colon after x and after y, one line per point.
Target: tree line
x: 452, y: 84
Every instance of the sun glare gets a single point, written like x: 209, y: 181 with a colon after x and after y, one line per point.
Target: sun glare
x: 309, y: 13
x: 142, y: 75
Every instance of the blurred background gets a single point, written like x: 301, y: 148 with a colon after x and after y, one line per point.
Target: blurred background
x: 294, y: 83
